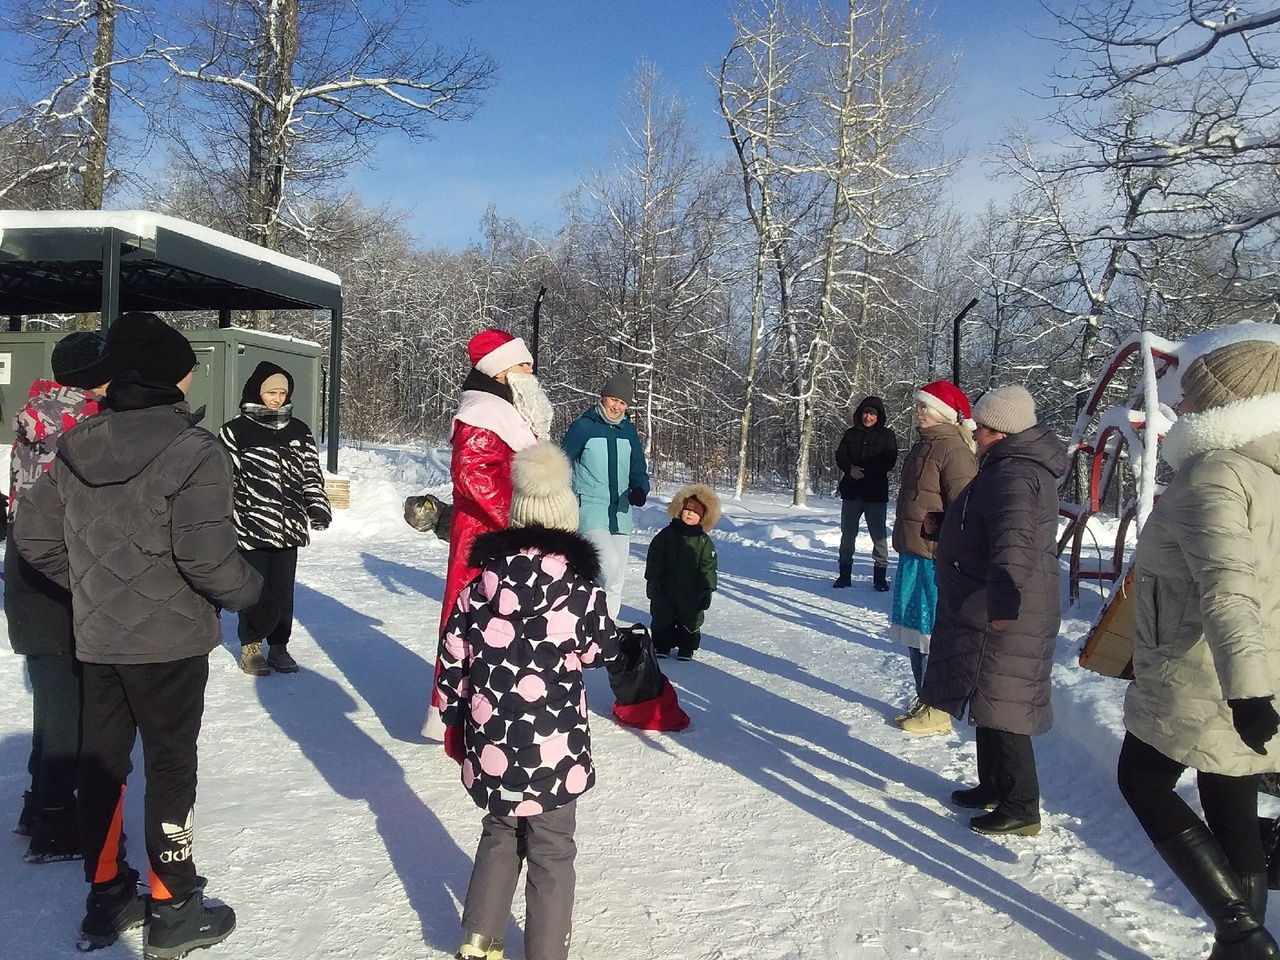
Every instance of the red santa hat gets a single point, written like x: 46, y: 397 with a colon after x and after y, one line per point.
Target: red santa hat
x: 492, y: 351
x: 947, y: 400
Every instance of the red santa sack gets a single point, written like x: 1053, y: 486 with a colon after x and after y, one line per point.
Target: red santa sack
x: 644, y: 698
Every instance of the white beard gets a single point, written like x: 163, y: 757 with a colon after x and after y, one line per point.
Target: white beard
x: 531, y: 402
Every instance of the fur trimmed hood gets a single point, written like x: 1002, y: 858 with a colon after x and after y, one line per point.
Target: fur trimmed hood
x: 704, y: 495
x: 578, y: 552
x: 1233, y: 426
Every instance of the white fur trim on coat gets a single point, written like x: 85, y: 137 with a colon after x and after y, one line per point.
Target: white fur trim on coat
x: 1228, y: 427
x: 484, y: 410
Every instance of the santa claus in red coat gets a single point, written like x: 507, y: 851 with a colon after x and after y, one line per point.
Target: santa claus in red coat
x: 502, y: 410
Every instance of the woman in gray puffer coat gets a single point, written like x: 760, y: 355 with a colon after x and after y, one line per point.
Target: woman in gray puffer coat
x: 999, y: 607
x: 1207, y: 642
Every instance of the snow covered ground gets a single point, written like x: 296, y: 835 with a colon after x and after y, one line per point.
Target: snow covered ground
x: 791, y: 820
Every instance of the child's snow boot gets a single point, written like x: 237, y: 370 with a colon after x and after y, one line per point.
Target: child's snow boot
x: 55, y: 835
x: 175, y: 929
x: 479, y: 947
x: 110, y: 909
x: 663, y: 642
x: 688, y: 641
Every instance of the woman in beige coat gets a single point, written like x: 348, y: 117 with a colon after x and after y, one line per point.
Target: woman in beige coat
x: 1207, y: 642
x: 939, y: 465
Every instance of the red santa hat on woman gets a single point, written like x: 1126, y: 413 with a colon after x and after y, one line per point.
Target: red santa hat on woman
x: 947, y: 400
x: 492, y: 351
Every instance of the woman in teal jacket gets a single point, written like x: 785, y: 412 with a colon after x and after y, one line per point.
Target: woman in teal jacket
x: 609, y: 477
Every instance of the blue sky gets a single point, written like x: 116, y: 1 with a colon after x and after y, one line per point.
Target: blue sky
x: 563, y: 70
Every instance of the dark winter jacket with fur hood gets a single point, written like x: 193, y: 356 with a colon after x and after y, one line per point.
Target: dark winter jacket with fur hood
x: 997, y: 560
x: 681, y: 565
x: 511, y: 661
x: 874, y: 449
x: 279, y: 489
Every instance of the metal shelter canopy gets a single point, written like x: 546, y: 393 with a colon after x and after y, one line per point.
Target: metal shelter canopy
x: 111, y: 262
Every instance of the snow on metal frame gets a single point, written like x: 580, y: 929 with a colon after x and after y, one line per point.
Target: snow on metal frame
x: 143, y: 224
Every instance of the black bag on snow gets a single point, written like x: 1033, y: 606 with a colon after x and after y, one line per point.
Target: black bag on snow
x: 635, y: 676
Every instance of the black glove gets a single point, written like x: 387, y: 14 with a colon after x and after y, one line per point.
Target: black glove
x: 261, y: 618
x: 704, y: 601
x: 637, y: 496
x: 1256, y: 721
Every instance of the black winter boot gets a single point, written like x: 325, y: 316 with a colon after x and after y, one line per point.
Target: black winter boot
x: 846, y: 577
x: 1254, y: 886
x: 109, y: 910
x: 23, y: 829
x: 175, y: 929
x: 1197, y: 860
x: 689, y: 642
x: 55, y: 835
x: 663, y: 642
x: 882, y: 579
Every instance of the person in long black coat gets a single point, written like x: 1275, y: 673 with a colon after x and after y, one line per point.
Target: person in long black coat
x: 999, y: 607
x: 866, y: 454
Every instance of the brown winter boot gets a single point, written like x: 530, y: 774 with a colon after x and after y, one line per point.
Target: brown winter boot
x: 252, y: 661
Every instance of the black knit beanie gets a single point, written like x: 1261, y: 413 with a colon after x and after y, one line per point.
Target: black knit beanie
x: 80, y: 360
x: 156, y: 352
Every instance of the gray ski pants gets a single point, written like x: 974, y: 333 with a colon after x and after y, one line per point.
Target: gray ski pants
x: 546, y: 843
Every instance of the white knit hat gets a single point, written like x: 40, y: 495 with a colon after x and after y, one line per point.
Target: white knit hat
x: 1006, y: 410
x: 541, y: 489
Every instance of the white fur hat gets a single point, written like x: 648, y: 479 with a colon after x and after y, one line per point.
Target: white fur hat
x: 542, y: 489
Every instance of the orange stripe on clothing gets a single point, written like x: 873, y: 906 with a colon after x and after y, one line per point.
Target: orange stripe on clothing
x: 108, y: 864
x: 158, y: 890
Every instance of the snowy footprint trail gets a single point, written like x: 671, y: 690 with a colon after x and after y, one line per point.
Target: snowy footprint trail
x: 791, y: 820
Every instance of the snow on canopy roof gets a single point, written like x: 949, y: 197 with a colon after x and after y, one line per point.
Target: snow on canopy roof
x: 143, y: 224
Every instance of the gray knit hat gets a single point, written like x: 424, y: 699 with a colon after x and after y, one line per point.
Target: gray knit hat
x: 1006, y: 409
x: 541, y: 489
x: 1249, y: 368
x: 619, y: 385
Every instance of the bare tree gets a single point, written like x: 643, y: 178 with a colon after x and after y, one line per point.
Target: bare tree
x: 288, y: 94
x: 1183, y: 95
x: 648, y: 233
x: 760, y: 98
x: 82, y: 54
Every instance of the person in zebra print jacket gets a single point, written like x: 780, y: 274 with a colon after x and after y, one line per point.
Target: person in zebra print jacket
x: 279, y: 493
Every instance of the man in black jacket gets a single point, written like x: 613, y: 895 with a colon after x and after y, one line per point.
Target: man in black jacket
x: 867, y: 452
x: 134, y: 518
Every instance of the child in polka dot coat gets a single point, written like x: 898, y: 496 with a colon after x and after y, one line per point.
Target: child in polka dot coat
x: 512, y: 656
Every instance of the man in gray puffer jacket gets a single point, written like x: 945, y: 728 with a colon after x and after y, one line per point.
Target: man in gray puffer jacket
x: 134, y: 517
x: 999, y: 607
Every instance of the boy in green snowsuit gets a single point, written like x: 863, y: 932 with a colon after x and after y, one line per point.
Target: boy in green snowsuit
x: 680, y: 571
